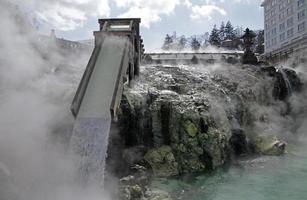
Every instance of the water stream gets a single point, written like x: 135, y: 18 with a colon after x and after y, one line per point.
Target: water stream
x: 90, y: 144
x: 286, y: 80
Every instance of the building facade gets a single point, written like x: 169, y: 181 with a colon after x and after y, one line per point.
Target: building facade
x: 285, y: 26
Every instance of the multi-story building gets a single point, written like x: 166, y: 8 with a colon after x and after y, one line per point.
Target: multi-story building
x: 285, y: 27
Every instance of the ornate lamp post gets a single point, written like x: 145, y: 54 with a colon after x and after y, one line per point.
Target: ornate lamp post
x: 249, y: 56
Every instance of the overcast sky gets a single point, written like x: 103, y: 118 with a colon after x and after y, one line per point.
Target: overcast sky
x: 76, y: 19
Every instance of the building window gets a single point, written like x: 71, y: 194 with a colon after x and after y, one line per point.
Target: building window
x: 290, y: 33
x: 300, y: 3
x: 290, y: 22
x: 282, y: 15
x: 282, y: 27
x: 267, y: 8
x: 301, y: 15
x: 274, y: 31
x: 282, y: 5
x: 301, y: 27
x: 282, y: 36
x: 289, y: 10
x: 274, y: 41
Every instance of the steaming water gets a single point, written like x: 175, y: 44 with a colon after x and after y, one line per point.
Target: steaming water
x: 286, y: 79
x: 90, y: 142
x: 264, y: 178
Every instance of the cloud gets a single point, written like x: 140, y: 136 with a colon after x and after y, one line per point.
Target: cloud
x: 150, y: 11
x: 258, y: 2
x: 205, y: 11
x: 187, y: 3
x: 213, y: 2
x: 67, y: 14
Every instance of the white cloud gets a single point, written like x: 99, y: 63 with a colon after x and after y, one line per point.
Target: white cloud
x: 71, y: 14
x: 213, y: 2
x: 205, y: 11
x: 248, y: 1
x: 68, y: 14
x: 150, y: 11
x: 187, y: 3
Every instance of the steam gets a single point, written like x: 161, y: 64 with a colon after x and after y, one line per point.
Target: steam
x: 204, y: 49
x: 270, y: 116
x: 35, y: 97
x: 38, y: 81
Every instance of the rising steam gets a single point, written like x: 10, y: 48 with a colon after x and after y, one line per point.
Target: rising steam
x: 38, y: 81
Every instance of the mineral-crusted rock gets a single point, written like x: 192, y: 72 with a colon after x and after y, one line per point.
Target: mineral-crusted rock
x: 190, y: 128
x: 136, y: 192
x: 156, y: 194
x: 134, y: 155
x: 238, y: 142
x: 268, y: 145
x: 191, y: 118
x: 162, y: 161
x: 286, y: 81
x: 136, y: 186
x: 133, y: 186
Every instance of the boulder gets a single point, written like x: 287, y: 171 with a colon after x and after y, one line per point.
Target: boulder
x: 190, y: 128
x: 134, y: 186
x: 269, y: 145
x: 156, y: 194
x: 162, y: 161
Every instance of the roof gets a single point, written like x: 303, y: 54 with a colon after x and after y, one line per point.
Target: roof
x: 138, y: 20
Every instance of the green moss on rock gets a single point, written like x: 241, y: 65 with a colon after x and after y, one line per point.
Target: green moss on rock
x: 268, y: 145
x: 162, y: 161
x: 190, y: 128
x: 136, y: 192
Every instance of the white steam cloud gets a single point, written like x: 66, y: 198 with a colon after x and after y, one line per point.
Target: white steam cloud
x: 38, y: 81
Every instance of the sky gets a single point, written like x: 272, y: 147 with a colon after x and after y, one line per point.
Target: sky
x: 77, y: 19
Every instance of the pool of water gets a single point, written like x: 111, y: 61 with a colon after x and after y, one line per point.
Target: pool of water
x: 262, y: 178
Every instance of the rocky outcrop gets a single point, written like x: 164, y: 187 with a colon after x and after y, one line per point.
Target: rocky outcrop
x: 162, y: 161
x: 286, y: 81
x: 269, y: 145
x: 190, y: 119
x: 136, y: 187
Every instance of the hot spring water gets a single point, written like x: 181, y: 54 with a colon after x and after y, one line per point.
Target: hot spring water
x: 90, y: 143
x: 263, y: 178
x: 286, y: 80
